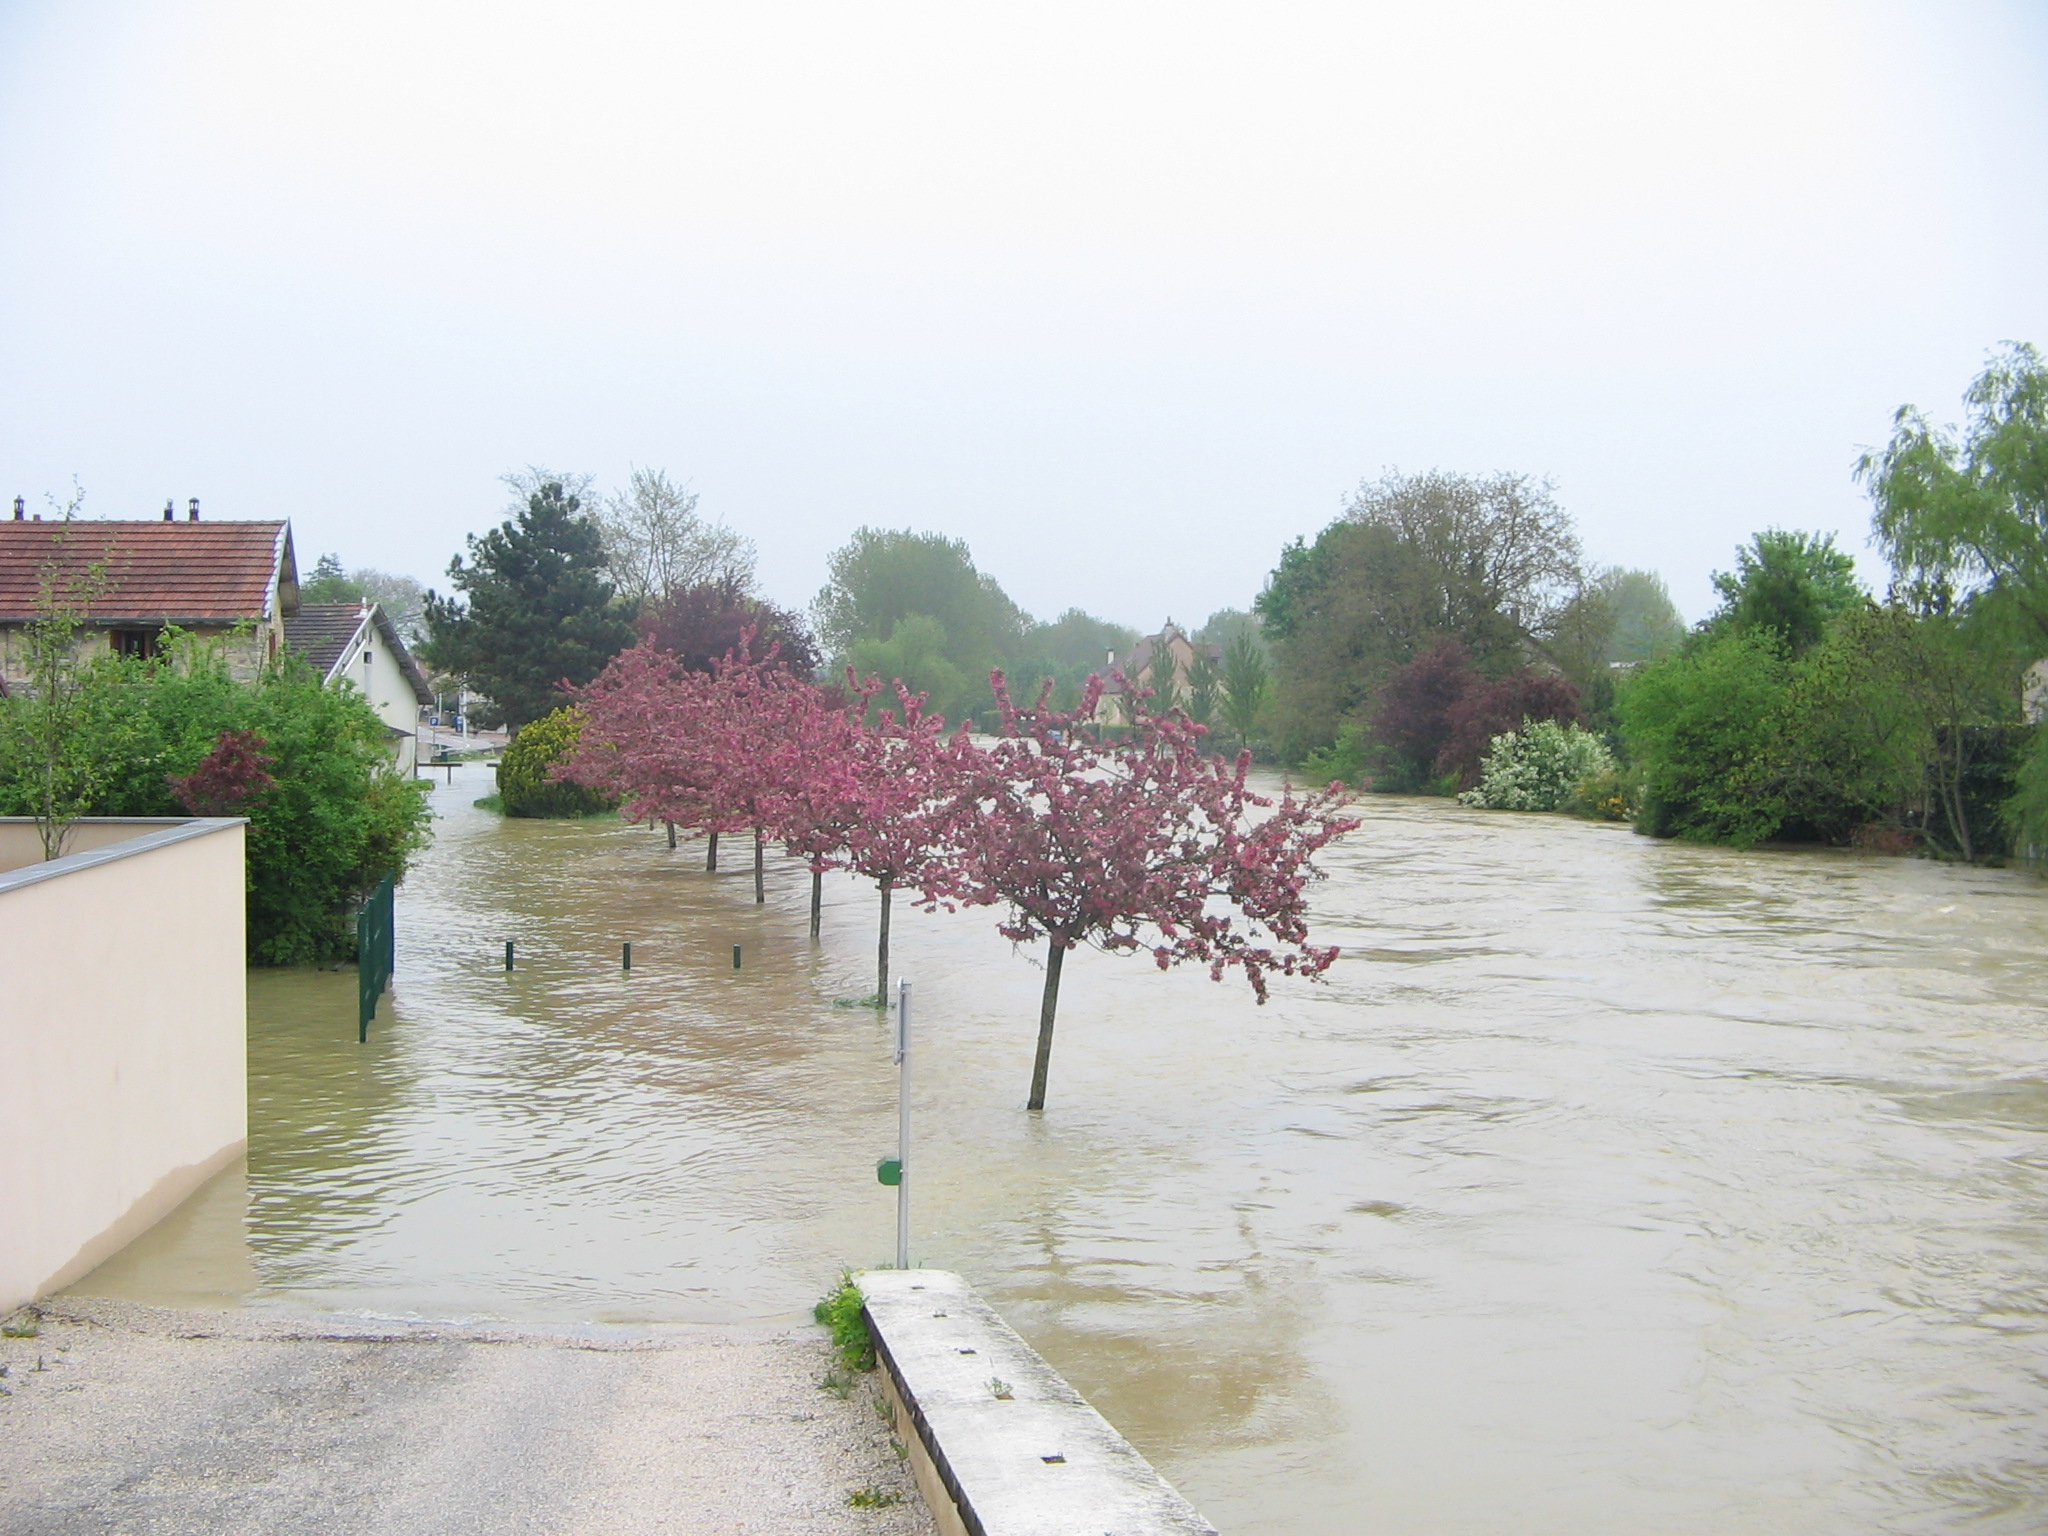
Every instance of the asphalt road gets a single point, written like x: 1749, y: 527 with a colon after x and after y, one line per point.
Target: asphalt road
x: 143, y: 1422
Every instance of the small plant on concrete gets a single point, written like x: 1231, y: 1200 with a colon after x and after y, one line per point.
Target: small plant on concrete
x: 874, y: 1498
x: 22, y: 1325
x: 999, y: 1388
x: 837, y: 1383
x: 840, y: 1312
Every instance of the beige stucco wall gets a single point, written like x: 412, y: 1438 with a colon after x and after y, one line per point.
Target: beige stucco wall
x: 123, y: 1037
x: 388, y: 690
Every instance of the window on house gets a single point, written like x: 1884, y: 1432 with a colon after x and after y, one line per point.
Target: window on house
x: 135, y: 642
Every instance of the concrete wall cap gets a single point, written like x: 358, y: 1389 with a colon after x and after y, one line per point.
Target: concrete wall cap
x: 1037, y: 1462
x: 170, y: 829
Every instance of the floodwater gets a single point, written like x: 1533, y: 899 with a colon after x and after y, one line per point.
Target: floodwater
x: 1608, y: 1186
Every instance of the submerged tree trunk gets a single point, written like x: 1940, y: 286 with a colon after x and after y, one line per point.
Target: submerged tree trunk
x: 711, y: 856
x: 760, y: 885
x: 671, y: 833
x: 1047, y: 1007
x: 882, y: 951
x: 817, y: 899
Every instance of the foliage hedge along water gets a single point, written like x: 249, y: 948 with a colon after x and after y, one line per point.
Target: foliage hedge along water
x: 332, y: 820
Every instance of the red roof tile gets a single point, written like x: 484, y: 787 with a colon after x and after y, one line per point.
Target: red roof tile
x: 183, y: 573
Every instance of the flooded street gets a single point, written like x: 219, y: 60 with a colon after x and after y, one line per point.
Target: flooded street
x: 1608, y: 1186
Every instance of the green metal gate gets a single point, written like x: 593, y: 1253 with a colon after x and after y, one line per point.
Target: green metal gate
x: 376, y: 954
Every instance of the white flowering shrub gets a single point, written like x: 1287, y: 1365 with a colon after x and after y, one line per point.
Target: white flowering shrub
x: 1538, y: 767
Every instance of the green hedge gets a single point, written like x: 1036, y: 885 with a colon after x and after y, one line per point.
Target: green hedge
x: 524, y: 788
x: 336, y: 820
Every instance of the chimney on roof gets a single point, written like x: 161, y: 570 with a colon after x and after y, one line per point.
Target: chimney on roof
x: 170, y: 512
x: 19, y: 511
x: 192, y: 510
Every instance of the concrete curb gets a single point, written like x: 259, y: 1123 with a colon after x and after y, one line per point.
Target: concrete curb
x: 1000, y: 1443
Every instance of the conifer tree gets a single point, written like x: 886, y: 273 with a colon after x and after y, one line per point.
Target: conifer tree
x: 539, y: 614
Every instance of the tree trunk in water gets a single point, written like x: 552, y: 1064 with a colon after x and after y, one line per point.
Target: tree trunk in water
x: 760, y: 888
x: 882, y: 952
x: 671, y: 834
x: 711, y: 856
x: 1047, y: 1006
x: 817, y: 899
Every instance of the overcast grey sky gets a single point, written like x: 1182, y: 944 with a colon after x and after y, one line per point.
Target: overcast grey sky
x: 1124, y: 294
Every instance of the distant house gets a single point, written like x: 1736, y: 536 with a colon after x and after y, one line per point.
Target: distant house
x: 1162, y: 663
x: 237, y: 581
x: 358, y: 643
x: 2034, y: 692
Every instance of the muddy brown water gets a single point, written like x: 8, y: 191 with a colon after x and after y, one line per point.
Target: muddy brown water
x: 1608, y: 1186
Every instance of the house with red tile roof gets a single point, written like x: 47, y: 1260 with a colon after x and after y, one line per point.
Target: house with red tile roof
x: 234, y: 580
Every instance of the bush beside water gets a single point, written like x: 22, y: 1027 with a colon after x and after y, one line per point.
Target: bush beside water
x: 1539, y: 768
x: 336, y: 818
x: 524, y: 788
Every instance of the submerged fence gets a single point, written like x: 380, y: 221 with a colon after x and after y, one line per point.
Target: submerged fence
x: 376, y: 954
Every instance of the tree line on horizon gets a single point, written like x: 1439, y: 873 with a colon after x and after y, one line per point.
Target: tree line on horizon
x: 1437, y: 615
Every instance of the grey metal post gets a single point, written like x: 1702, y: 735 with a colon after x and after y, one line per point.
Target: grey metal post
x: 903, y: 1124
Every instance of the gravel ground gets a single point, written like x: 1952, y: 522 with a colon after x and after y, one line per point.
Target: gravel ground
x: 145, y: 1422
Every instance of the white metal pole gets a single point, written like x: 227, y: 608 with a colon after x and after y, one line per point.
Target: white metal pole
x: 903, y: 1124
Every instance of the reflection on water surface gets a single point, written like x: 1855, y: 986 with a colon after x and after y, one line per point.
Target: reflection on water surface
x: 1609, y: 1186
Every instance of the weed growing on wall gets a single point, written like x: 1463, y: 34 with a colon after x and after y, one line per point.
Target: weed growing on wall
x: 840, y: 1313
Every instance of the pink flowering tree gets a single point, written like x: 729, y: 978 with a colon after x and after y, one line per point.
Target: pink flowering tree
x: 823, y: 803
x: 721, y: 750
x: 755, y: 739
x: 643, y: 739
x: 905, y: 782
x: 1145, y: 844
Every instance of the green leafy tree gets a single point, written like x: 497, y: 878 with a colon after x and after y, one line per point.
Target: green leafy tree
x: 1490, y: 561
x: 1069, y: 649
x: 1791, y: 583
x: 330, y: 583
x: 1205, y: 687
x: 47, y: 742
x: 915, y: 653
x: 881, y: 577
x: 539, y: 614
x: 1965, y: 511
x: 1244, y: 685
x: 1962, y: 514
x: 1848, y: 751
x: 1701, y: 726
x: 1226, y: 624
x: 1646, y: 623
